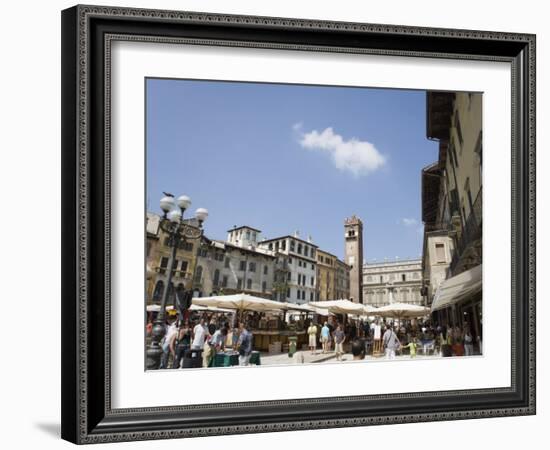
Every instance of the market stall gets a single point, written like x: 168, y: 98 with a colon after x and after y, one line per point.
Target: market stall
x: 262, y: 316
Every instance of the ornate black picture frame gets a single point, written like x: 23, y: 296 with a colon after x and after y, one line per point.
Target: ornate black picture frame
x: 87, y: 33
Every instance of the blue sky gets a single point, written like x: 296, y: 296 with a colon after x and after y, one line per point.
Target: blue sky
x: 282, y: 158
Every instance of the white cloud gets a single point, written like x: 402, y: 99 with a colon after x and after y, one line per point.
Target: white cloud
x: 353, y: 155
x: 409, y: 222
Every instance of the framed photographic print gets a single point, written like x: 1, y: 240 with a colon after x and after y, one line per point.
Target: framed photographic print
x: 254, y: 207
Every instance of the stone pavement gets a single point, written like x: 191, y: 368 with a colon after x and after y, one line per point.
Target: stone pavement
x: 304, y: 357
x: 300, y: 357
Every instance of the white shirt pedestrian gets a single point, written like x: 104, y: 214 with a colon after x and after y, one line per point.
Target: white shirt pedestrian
x: 199, y: 333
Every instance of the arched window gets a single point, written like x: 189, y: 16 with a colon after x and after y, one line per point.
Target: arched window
x: 180, y: 293
x: 159, y: 290
x: 198, y: 274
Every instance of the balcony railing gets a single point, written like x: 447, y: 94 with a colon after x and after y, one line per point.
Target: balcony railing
x: 471, y: 232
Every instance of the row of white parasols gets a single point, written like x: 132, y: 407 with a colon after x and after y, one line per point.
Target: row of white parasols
x: 245, y: 302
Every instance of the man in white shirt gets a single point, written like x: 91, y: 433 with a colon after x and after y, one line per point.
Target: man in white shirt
x: 200, y: 332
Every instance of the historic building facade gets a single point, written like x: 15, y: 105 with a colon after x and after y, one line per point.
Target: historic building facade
x: 297, y: 260
x: 233, y: 267
x: 326, y: 276
x: 392, y: 281
x: 333, y: 277
x: 353, y: 235
x: 452, y: 206
x: 342, y: 280
x: 158, y: 254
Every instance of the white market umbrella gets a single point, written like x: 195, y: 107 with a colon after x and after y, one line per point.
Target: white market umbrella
x: 210, y: 309
x: 156, y: 308
x: 306, y: 307
x: 369, y: 310
x: 402, y: 311
x: 340, y: 306
x: 320, y: 311
x: 239, y: 302
x: 296, y: 307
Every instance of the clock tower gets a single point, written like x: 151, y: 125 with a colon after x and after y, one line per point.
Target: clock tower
x: 353, y: 228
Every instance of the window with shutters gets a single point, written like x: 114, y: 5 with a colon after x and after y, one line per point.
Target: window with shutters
x: 216, y: 277
x: 440, y: 253
x: 163, y: 265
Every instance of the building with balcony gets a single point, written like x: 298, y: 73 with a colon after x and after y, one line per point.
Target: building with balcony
x: 397, y: 281
x: 297, y: 260
x: 452, y: 209
x: 234, y: 266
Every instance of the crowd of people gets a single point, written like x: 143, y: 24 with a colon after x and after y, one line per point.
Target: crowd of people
x: 202, y: 338
x: 408, y: 337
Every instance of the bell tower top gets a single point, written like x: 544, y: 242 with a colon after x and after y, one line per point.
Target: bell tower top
x: 353, y: 220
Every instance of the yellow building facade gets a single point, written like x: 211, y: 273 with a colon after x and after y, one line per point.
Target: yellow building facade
x: 332, y: 277
x: 158, y: 252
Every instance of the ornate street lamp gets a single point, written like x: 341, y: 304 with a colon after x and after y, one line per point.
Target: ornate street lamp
x: 178, y: 232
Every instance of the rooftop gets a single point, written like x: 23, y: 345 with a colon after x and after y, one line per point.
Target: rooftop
x: 395, y: 262
x: 235, y: 227
x: 285, y: 237
x: 257, y: 250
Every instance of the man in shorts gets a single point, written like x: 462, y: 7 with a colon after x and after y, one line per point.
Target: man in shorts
x: 312, y: 333
x: 339, y: 339
x: 325, y: 337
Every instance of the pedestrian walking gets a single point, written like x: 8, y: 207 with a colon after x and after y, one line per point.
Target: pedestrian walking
x: 412, y: 346
x: 468, y: 342
x: 325, y: 337
x: 312, y: 333
x: 390, y: 342
x: 167, y: 344
x: 339, y: 339
x: 245, y: 345
x: 200, y: 335
x: 182, y: 343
